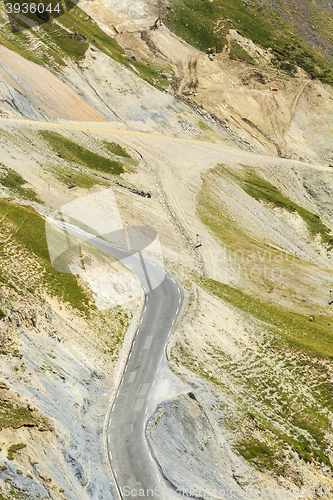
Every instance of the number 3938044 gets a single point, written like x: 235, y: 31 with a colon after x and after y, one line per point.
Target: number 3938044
x: 32, y: 8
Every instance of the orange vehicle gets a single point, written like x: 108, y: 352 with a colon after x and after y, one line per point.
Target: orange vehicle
x: 212, y: 51
x: 156, y: 25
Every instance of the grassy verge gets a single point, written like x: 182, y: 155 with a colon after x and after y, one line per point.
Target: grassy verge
x: 122, y: 154
x: 27, y: 229
x: 312, y: 335
x: 15, y: 183
x: 205, y: 24
x: 73, y: 152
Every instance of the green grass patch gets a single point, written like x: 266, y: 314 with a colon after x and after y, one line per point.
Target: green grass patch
x: 117, y: 149
x: 13, y: 449
x: 313, y: 337
x: 220, y: 222
x: 2, y: 314
x: 64, y: 43
x: 260, y: 189
x: 80, y: 179
x: 60, y: 43
x: 257, y: 453
x: 73, y: 152
x: 15, y: 183
x: 77, y: 21
x: 204, y: 24
x: 14, y: 415
x: 237, y: 52
x: 28, y: 230
x: 195, y: 20
x: 305, y: 449
x: 13, y: 495
x: 151, y: 74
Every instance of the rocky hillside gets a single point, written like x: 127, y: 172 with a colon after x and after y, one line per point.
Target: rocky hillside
x: 235, y: 179
x: 297, y: 33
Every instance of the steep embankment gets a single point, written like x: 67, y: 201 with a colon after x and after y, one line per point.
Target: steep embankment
x: 56, y: 73
x: 256, y: 341
x: 60, y: 335
x: 58, y: 355
x: 259, y: 335
x: 229, y: 92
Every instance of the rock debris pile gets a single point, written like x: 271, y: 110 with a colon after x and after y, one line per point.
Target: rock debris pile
x: 133, y: 190
x: 4, y: 114
x: 189, y: 129
x: 139, y: 192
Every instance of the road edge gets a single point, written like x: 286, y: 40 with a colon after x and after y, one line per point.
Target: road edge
x: 119, y: 372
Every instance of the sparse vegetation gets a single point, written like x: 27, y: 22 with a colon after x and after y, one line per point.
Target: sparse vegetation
x: 117, y: 149
x: 73, y: 152
x: 284, y: 397
x: 15, y: 416
x: 12, y: 494
x: 81, y: 179
x: 195, y: 20
x: 15, y: 182
x: 314, y: 338
x: 30, y: 233
x: 13, y: 449
x: 205, y: 24
x: 258, y: 453
x: 237, y: 52
x: 69, y: 36
x: 150, y: 73
x: 260, y: 189
x: 114, y: 342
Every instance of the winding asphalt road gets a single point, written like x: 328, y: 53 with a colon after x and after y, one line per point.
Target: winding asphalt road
x: 135, y: 471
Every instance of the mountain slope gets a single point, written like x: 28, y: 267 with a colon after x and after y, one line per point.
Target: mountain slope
x: 298, y: 33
